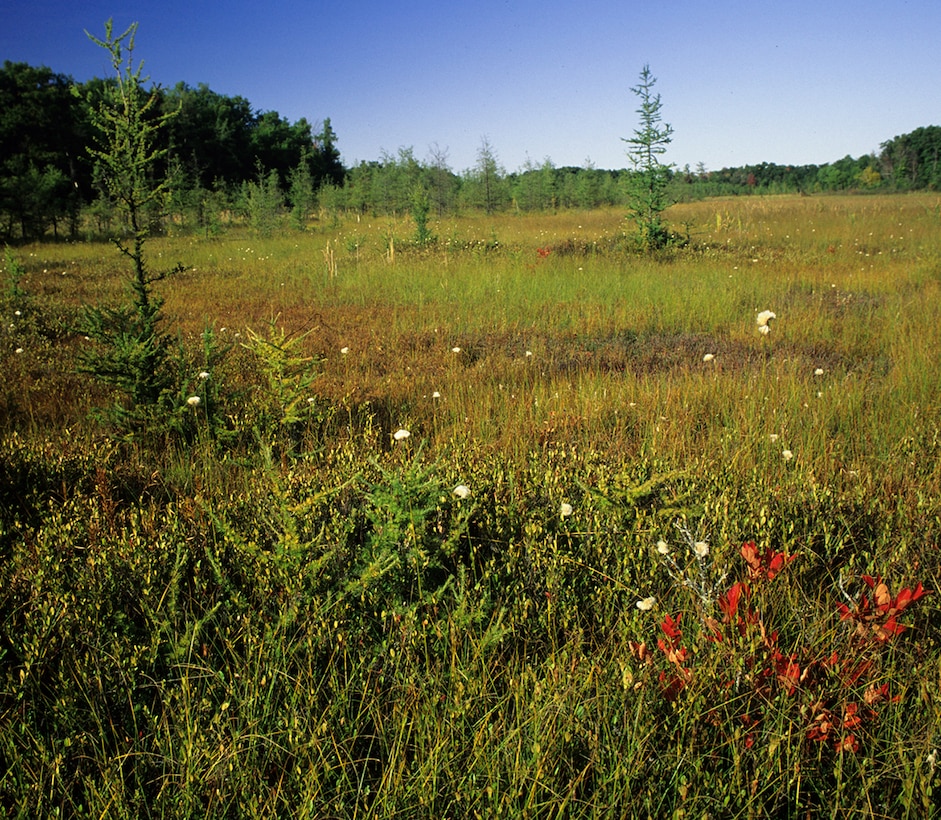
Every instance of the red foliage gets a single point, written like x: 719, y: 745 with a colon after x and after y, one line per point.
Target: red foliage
x: 820, y: 687
x: 878, y: 618
x: 764, y: 565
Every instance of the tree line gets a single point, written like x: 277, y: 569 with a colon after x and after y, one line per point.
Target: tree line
x: 221, y: 157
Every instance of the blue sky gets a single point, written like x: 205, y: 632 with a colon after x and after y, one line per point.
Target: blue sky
x: 742, y: 81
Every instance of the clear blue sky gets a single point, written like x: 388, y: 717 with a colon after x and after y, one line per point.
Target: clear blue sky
x: 742, y: 81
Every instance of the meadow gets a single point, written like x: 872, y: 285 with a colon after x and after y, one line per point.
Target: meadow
x: 514, y: 522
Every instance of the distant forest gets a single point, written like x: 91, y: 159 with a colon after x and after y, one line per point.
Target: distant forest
x: 228, y: 161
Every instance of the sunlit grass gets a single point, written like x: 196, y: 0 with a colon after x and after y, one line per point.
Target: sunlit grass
x: 306, y: 620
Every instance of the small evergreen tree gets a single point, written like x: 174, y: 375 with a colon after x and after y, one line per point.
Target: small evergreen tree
x: 301, y: 193
x: 263, y: 202
x: 132, y: 351
x: 647, y: 192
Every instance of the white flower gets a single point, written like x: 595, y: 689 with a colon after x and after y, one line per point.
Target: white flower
x: 932, y: 759
x: 663, y: 547
x: 17, y: 313
x: 701, y: 548
x: 194, y: 401
x: 787, y: 455
x: 773, y: 437
x: 401, y: 434
x: 646, y: 604
x: 344, y: 350
x: 818, y: 371
x: 204, y: 375
x: 455, y: 350
x: 19, y: 350
x: 708, y: 357
x: 529, y: 354
x: 565, y: 510
x: 461, y: 491
x: 311, y: 400
x: 763, y: 319
x: 436, y: 395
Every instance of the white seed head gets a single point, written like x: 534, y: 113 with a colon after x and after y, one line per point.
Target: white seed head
x: 765, y: 317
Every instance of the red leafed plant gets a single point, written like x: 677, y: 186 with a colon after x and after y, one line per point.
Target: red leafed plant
x: 832, y: 691
x: 764, y: 565
x: 878, y: 618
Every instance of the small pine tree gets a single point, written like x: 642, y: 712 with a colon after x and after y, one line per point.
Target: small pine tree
x: 132, y: 351
x: 647, y: 195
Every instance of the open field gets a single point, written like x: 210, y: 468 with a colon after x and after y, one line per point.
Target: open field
x: 273, y: 607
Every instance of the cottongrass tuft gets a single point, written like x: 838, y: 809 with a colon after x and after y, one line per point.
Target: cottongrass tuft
x: 565, y: 510
x: 764, y: 321
x: 194, y: 401
x: 401, y: 434
x: 461, y: 491
x: 646, y: 604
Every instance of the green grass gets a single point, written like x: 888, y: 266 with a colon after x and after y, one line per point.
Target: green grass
x: 269, y: 607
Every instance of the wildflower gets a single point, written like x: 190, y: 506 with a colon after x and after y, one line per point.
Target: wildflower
x: 311, y: 400
x: 818, y: 371
x: 194, y: 401
x: 401, y: 434
x: 19, y: 350
x: 701, y: 548
x: 708, y: 357
x: 763, y: 319
x: 646, y: 604
x: 565, y: 510
x: 932, y: 759
x: 529, y: 354
x: 17, y: 313
x: 436, y: 395
x: 773, y: 437
x: 455, y: 350
x: 204, y: 374
x: 461, y: 491
x: 344, y: 350
x: 663, y: 547
x: 787, y: 455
